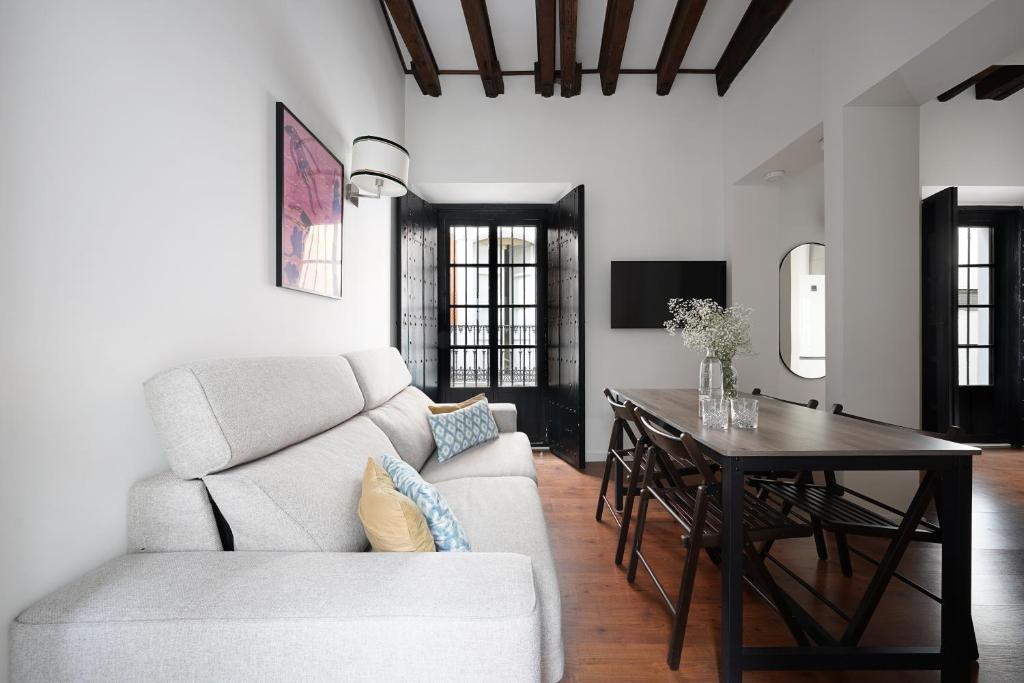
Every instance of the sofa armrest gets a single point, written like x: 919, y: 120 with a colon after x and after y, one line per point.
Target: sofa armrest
x: 505, y: 416
x: 312, y: 616
x: 168, y: 514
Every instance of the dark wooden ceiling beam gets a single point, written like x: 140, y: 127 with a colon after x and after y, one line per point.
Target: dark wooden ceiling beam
x: 677, y: 40
x: 479, y: 25
x: 424, y: 66
x: 757, y: 22
x: 616, y: 26
x: 544, y: 67
x: 571, y: 70
x: 964, y: 85
x: 1001, y: 83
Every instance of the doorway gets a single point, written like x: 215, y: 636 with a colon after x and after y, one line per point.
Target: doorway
x: 971, y: 319
x: 499, y: 310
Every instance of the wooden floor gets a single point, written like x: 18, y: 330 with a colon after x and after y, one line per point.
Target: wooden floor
x: 617, y: 632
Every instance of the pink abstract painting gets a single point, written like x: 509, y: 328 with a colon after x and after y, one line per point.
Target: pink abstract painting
x: 310, y: 197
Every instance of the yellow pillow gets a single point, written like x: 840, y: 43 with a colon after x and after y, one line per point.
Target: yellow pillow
x: 393, y: 523
x: 452, y: 407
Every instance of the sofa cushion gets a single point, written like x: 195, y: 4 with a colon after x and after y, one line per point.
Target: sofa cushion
x: 213, y: 415
x: 381, y: 374
x: 504, y: 514
x: 303, y: 497
x: 404, y: 420
x: 507, y: 456
x: 392, y: 522
x: 441, y: 408
x: 444, y: 525
x: 462, y: 429
x: 227, y: 617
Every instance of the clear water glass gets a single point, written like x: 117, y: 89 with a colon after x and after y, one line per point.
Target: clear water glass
x: 715, y: 413
x: 744, y: 413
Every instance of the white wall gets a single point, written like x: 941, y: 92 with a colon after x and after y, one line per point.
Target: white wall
x: 653, y: 175
x: 138, y: 222
x: 973, y: 142
x: 763, y: 223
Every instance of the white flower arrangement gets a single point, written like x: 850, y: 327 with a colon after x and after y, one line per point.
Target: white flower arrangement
x: 705, y: 325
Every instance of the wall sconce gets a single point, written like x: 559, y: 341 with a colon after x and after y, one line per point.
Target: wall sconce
x: 380, y: 168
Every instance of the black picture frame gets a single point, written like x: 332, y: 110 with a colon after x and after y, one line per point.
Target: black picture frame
x: 288, y: 266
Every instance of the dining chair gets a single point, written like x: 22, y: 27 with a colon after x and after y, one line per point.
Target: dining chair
x: 833, y: 507
x: 636, y: 477
x: 802, y: 477
x: 622, y: 446
x: 696, y: 506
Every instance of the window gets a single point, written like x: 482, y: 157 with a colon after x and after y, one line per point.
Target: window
x: 517, y: 306
x: 468, y: 309
x: 974, y: 306
x: 492, y: 305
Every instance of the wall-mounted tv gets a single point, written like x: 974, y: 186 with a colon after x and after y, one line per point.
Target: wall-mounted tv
x: 641, y: 289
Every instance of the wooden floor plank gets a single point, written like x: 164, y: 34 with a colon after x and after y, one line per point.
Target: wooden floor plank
x: 614, y: 631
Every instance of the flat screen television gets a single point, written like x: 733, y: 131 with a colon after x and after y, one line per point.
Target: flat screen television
x: 641, y: 289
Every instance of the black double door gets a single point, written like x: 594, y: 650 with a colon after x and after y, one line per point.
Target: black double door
x: 971, y: 319
x: 508, y: 309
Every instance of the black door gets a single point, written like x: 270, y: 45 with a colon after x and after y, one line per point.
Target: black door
x: 988, y: 323
x: 491, y: 305
x: 938, y: 333
x: 415, y: 300
x: 563, y: 404
x: 971, y: 319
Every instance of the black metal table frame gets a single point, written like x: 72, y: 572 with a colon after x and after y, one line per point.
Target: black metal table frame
x: 951, y: 657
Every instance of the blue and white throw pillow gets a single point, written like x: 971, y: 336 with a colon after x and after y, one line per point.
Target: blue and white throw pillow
x: 459, y: 430
x: 444, y: 527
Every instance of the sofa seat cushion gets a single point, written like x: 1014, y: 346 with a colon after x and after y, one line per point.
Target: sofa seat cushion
x: 213, y: 415
x: 507, y: 456
x: 303, y: 497
x: 404, y: 420
x: 226, y: 617
x: 504, y: 514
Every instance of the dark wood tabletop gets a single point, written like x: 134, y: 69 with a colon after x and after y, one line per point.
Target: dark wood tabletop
x: 790, y: 430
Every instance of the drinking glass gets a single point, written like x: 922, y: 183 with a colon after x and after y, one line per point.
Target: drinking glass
x: 715, y: 413
x: 744, y: 413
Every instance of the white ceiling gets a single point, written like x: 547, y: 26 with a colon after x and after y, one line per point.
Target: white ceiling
x: 514, y: 26
x: 977, y: 195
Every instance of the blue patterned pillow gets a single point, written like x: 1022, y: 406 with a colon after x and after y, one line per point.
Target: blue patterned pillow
x: 444, y: 527
x: 462, y: 429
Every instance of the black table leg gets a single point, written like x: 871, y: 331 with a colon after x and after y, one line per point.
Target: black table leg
x: 956, y: 570
x: 729, y: 670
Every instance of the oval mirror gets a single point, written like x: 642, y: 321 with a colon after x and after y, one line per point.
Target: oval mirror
x: 802, y: 310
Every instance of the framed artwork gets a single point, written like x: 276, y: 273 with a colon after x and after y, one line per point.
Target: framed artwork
x: 310, y: 199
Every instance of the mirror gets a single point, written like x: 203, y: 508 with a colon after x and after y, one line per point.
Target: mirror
x: 802, y: 310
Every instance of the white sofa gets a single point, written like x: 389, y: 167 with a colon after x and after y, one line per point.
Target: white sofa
x: 266, y: 460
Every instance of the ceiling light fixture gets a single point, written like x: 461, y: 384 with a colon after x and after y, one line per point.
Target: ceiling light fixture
x: 774, y: 176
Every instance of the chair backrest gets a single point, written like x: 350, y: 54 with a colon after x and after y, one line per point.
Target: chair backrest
x: 682, y: 448
x: 623, y: 414
x: 812, y: 403
x: 950, y: 434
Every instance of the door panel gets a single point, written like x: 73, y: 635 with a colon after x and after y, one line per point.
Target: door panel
x: 938, y: 328
x: 563, y: 400
x: 417, y: 287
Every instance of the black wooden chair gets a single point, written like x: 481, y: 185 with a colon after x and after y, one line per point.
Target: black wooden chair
x: 696, y: 506
x: 841, y: 511
x: 621, y: 449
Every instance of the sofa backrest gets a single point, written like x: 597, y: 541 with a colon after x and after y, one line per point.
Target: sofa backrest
x: 381, y: 374
x: 214, y: 415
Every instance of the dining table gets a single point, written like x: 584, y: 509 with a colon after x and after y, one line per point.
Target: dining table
x: 793, y: 438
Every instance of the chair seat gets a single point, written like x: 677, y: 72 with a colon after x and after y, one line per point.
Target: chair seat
x: 761, y: 522
x: 835, y: 510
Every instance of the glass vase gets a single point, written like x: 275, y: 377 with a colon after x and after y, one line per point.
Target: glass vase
x: 710, y: 381
x: 728, y: 379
